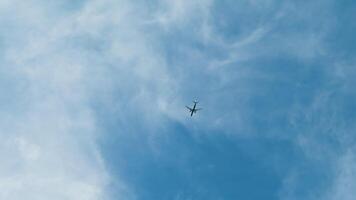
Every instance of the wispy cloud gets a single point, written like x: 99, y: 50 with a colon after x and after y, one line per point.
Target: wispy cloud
x: 259, y: 68
x: 49, y: 133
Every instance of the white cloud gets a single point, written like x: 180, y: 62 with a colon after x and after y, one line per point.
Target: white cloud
x: 61, y: 62
x: 107, y: 51
x: 48, y: 146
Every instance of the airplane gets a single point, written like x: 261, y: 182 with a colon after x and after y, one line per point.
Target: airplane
x: 194, y: 109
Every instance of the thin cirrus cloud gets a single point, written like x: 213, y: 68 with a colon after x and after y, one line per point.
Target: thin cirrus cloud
x: 48, y: 134
x: 120, y: 72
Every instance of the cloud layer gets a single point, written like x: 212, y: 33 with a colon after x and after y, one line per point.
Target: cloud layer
x: 77, y: 72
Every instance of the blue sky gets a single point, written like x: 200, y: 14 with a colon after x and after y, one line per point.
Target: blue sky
x: 94, y: 94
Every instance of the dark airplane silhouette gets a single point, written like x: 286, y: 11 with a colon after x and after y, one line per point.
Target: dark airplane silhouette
x: 194, y: 109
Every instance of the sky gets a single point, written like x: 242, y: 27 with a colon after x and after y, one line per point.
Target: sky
x: 93, y: 96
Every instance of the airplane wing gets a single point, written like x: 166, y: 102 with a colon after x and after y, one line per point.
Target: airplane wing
x: 198, y: 109
x: 189, y: 108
